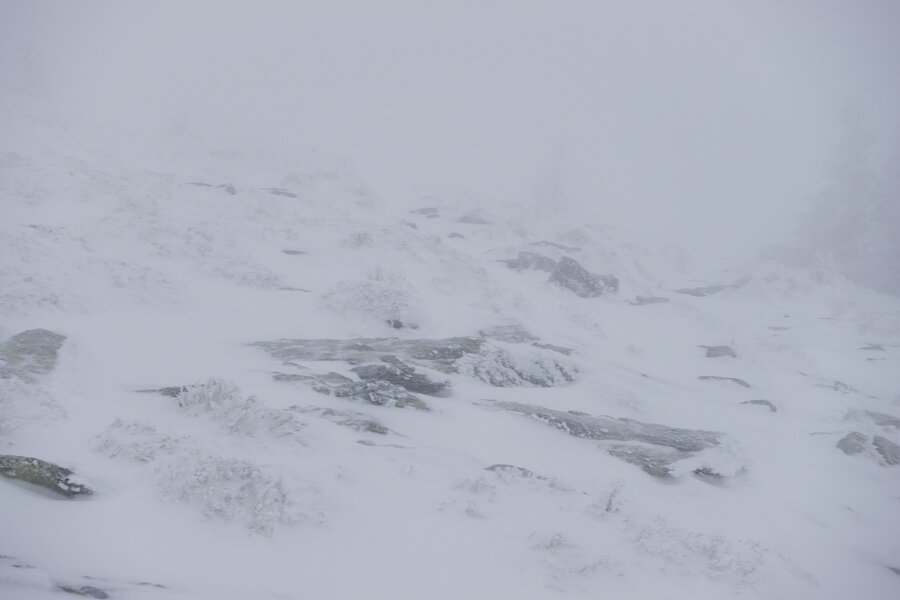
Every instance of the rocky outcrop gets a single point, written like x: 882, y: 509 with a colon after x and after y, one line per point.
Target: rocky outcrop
x: 735, y: 380
x: 474, y: 219
x: 380, y: 393
x: 502, y: 357
x: 395, y: 371
x: 889, y: 451
x: 644, y: 300
x: 531, y: 261
x: 47, y: 475
x: 352, y: 420
x: 852, y: 443
x: 765, y: 403
x: 719, y: 351
x: 709, y: 290
x: 571, y: 275
x: 655, y: 448
x: 29, y: 353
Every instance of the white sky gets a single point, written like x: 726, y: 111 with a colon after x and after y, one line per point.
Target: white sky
x: 702, y: 122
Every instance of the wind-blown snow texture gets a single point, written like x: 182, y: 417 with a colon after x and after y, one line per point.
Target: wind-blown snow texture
x: 202, y: 358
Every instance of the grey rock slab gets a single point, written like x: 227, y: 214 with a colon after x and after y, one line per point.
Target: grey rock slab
x: 491, y: 361
x: 562, y: 247
x: 394, y: 370
x: 87, y: 591
x: 765, y: 403
x: 719, y: 351
x: 882, y: 419
x: 852, y: 443
x: 645, y: 300
x: 475, y: 220
x: 606, y: 428
x: 280, y: 192
x: 654, y: 461
x: 428, y: 211
x: 570, y: 274
x: 47, y: 475
x: 873, y: 347
x: 31, y: 352
x: 888, y: 450
x: 531, y: 261
x: 380, y: 393
x: 735, y: 380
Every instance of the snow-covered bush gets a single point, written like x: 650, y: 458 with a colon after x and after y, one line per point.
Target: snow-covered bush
x: 384, y: 295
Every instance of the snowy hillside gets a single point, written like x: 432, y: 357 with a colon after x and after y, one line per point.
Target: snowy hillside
x: 249, y: 377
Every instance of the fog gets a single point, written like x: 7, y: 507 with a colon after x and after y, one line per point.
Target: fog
x: 706, y: 123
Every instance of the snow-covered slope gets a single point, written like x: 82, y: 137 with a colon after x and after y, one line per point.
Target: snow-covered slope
x: 278, y: 384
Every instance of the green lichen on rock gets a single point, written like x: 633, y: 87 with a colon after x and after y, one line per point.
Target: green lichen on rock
x: 31, y: 352
x: 42, y: 473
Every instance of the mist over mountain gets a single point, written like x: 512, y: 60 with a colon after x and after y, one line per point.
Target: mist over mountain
x: 407, y: 300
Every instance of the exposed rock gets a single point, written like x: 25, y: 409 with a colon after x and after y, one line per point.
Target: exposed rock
x: 852, y: 443
x: 398, y: 324
x: 380, y: 393
x: 562, y: 247
x: 654, y: 461
x: 708, y: 290
x: 655, y: 448
x: 47, y: 475
x: 571, y: 275
x: 457, y: 236
x: 88, y: 591
x: 880, y: 419
x: 31, y: 352
x: 719, y: 351
x: 644, y: 300
x: 740, y: 382
x: 490, y: 360
x: 838, y: 386
x: 291, y: 252
x: 888, y: 450
x: 475, y: 220
x: 777, y: 328
x: 531, y: 261
x: 280, y: 192
x: 228, y: 188
x: 771, y: 406
x: 874, y: 347
x: 429, y: 211
x: 393, y: 370
x: 170, y: 391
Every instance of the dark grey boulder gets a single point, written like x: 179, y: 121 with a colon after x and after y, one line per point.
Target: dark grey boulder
x: 47, y: 475
x: 531, y: 261
x: 571, y: 275
x: 735, y: 380
x: 888, y: 450
x: 644, y: 300
x: 765, y: 403
x: 852, y: 443
x: 394, y: 370
x: 31, y: 352
x: 719, y: 351
x: 380, y: 393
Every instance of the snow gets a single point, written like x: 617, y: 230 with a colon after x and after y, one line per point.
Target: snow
x: 246, y: 487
